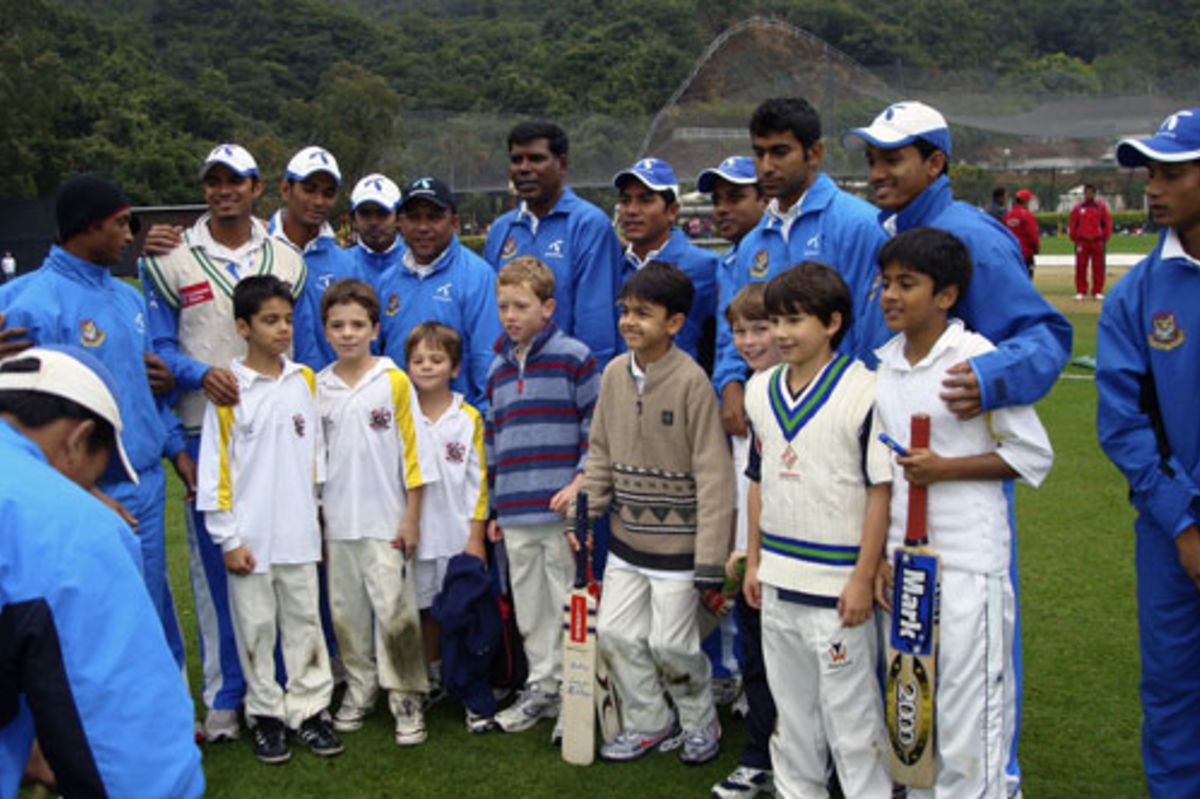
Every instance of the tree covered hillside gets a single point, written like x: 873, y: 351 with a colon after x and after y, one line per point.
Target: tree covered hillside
x: 141, y: 90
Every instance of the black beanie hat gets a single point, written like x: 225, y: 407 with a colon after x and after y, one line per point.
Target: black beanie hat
x: 84, y: 200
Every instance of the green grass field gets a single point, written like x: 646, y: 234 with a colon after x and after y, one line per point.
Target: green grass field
x: 1061, y: 245
x: 1081, y: 723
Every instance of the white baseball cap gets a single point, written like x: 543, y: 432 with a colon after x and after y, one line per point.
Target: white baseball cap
x: 72, y: 374
x: 311, y: 160
x: 378, y: 189
x: 901, y: 124
x: 234, y: 156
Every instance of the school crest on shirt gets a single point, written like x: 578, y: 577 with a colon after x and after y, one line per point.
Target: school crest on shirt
x: 90, y: 335
x: 393, y: 305
x: 760, y: 264
x: 380, y: 419
x: 456, y: 452
x: 509, y: 249
x: 298, y: 424
x: 1165, y: 333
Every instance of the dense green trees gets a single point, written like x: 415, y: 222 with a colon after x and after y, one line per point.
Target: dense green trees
x: 140, y: 91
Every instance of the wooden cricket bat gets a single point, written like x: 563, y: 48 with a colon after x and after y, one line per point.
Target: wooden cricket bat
x: 579, y: 655
x: 912, y: 644
x: 608, y: 709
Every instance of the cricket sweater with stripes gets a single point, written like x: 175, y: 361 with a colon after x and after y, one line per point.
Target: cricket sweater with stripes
x: 539, y: 413
x: 815, y: 454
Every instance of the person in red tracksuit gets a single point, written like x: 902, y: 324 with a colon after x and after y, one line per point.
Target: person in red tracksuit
x: 1090, y: 228
x: 1023, y: 224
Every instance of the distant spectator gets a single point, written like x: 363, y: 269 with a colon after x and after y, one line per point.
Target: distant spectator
x: 8, y: 266
x: 1090, y: 228
x: 1023, y: 224
x: 999, y: 204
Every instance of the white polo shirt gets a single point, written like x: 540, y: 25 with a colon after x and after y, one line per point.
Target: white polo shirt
x: 376, y: 449
x: 967, y: 519
x: 260, y: 463
x: 460, y: 496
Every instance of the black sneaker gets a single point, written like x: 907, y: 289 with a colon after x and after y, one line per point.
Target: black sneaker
x: 318, y: 734
x: 270, y: 740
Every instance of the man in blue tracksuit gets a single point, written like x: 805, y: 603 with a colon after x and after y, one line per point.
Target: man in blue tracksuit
x: 439, y: 280
x: 1147, y: 377
x: 74, y: 299
x: 568, y: 234
x: 86, y: 669
x: 373, y: 206
x: 808, y: 218
x: 648, y: 205
x: 908, y: 152
x: 309, y: 189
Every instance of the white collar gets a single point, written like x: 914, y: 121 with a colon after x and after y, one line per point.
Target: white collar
x: 786, y: 218
x: 275, y: 228
x: 423, y: 270
x: 201, y: 236
x: 891, y: 354
x: 1173, y: 248
x: 246, y: 376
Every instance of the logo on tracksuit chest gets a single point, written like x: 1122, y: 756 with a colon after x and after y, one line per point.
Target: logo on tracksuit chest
x: 760, y: 265
x: 812, y: 247
x: 509, y: 249
x: 1165, y: 332
x: 90, y: 334
x: 442, y: 293
x: 393, y: 305
x: 554, y: 249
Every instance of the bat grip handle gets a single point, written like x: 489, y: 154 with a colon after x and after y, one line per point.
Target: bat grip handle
x: 916, y: 531
x: 582, y: 561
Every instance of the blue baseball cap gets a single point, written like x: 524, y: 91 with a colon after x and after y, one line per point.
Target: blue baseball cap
x: 1177, y: 139
x: 901, y: 124
x: 737, y: 169
x: 654, y: 173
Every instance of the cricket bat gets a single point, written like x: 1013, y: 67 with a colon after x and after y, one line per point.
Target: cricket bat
x: 608, y: 710
x: 579, y: 655
x: 912, y: 643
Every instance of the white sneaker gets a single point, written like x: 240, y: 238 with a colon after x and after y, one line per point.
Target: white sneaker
x: 531, y: 706
x: 743, y: 783
x: 1099, y: 296
x: 221, y: 725
x: 701, y: 744
x: 477, y: 724
x: 348, y: 719
x: 410, y: 723
x: 1078, y: 298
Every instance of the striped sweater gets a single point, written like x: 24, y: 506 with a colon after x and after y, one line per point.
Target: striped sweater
x: 539, y: 412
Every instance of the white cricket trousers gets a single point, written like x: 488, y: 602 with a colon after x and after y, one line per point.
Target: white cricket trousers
x: 541, y: 571
x: 649, y: 636
x: 284, y: 599
x: 373, y: 601
x: 976, y: 708
x: 823, y: 678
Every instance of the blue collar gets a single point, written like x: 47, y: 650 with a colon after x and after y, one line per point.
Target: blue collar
x: 76, y: 268
x: 924, y: 207
x: 561, y: 206
x: 816, y: 198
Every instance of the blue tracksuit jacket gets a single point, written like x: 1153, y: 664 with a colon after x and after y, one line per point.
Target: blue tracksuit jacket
x: 71, y: 301
x: 834, y: 228
x: 327, y: 263
x: 85, y: 662
x: 370, y: 265
x: 1149, y: 335
x: 459, y: 293
x: 1033, y: 340
x: 577, y: 241
x: 701, y: 266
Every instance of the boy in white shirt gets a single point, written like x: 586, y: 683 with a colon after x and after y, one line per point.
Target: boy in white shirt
x: 379, y: 462
x: 456, y: 506
x: 924, y: 272
x: 260, y: 464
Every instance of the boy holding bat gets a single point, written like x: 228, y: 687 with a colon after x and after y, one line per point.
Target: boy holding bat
x: 924, y: 272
